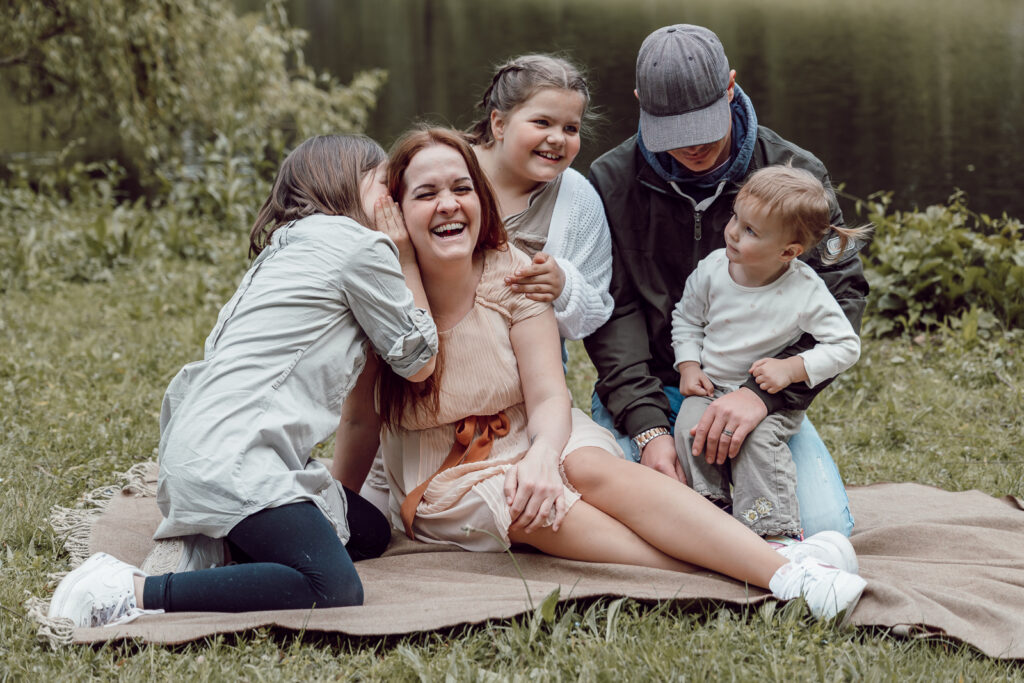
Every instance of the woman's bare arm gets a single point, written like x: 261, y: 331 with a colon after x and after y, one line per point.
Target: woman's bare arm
x: 358, y: 435
x: 534, y: 486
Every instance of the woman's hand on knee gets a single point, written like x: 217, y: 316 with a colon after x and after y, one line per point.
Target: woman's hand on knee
x: 533, y: 490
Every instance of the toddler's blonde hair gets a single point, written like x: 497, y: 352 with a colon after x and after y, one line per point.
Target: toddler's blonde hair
x: 802, y: 204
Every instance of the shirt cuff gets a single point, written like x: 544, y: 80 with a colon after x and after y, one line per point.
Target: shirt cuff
x: 413, y: 350
x: 561, y: 302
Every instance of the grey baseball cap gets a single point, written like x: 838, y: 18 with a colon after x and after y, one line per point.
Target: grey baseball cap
x: 682, y: 76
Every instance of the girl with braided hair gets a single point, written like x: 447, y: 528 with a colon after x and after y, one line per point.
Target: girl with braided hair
x: 525, y: 141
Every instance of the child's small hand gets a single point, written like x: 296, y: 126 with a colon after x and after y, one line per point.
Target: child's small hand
x: 387, y: 218
x: 693, y: 381
x: 775, y: 374
x: 542, y: 280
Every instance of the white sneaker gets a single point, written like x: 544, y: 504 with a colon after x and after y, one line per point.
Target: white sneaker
x: 827, y: 591
x: 825, y: 547
x: 101, y: 592
x: 184, y: 554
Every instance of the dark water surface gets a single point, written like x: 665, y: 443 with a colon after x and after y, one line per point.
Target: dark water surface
x: 915, y: 96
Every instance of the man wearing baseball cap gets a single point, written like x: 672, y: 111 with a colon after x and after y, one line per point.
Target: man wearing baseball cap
x: 668, y: 193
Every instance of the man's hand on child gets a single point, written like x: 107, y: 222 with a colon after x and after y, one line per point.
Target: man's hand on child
x: 775, y: 374
x: 693, y: 381
x: 542, y: 280
x: 726, y: 423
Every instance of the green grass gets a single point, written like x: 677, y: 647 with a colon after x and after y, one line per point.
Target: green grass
x: 82, y: 371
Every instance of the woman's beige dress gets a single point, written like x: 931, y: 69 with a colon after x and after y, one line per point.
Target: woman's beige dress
x: 465, y: 505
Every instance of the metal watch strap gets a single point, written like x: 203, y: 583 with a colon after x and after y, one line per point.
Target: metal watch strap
x: 646, y: 436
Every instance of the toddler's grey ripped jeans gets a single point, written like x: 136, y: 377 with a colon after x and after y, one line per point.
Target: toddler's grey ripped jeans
x: 762, y: 475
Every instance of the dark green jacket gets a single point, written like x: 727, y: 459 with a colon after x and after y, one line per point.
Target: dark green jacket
x: 658, y: 236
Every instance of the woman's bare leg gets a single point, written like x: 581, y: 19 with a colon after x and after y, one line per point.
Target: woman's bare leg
x: 670, y: 516
x: 592, y: 536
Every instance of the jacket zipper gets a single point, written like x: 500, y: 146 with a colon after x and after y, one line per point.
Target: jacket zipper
x: 698, y: 230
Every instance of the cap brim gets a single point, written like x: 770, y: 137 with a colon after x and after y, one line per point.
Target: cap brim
x: 662, y: 133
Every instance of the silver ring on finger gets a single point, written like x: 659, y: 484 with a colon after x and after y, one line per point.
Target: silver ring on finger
x: 727, y: 432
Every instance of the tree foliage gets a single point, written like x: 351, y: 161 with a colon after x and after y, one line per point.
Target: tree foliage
x: 173, y: 75
x: 206, y: 104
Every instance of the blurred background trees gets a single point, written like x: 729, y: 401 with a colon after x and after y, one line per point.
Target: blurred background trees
x: 203, y: 104
x: 170, y: 118
x: 173, y: 76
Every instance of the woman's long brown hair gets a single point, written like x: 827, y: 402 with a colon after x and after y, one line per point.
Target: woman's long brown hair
x: 321, y: 175
x: 394, y: 393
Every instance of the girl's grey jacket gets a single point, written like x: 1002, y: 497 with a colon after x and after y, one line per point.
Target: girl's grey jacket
x: 237, y: 428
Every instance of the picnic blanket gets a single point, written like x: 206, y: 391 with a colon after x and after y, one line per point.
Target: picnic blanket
x: 937, y: 563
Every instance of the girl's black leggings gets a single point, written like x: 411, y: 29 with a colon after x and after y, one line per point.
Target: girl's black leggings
x: 288, y: 558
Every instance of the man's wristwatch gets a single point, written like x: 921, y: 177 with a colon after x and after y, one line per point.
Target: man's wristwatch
x: 645, y: 437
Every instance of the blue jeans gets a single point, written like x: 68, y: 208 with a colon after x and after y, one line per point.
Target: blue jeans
x: 819, y: 488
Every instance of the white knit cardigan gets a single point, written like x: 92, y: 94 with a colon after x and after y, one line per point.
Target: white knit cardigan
x: 580, y: 241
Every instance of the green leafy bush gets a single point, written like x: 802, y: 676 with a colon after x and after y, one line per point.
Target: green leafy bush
x: 68, y: 222
x: 943, y: 266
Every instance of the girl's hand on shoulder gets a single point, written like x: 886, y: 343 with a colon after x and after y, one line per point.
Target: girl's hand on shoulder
x: 533, y: 489
x: 542, y: 280
x: 387, y: 218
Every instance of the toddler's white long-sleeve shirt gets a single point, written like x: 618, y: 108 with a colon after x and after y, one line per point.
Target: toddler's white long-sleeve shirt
x: 726, y: 327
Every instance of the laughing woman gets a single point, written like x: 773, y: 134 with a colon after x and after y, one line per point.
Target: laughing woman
x: 488, y: 451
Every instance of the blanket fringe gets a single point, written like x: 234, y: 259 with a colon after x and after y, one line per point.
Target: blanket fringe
x: 56, y: 633
x: 138, y: 481
x: 75, y: 525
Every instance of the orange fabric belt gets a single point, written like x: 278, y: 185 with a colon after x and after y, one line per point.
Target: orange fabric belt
x: 469, y: 447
